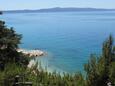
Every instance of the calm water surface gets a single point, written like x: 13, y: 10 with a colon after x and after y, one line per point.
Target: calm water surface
x: 68, y: 37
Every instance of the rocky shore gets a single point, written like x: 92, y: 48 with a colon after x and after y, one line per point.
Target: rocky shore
x: 31, y: 53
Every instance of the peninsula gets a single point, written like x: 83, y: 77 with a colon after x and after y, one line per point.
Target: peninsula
x: 31, y: 53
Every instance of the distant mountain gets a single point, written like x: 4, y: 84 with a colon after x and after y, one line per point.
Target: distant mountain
x: 58, y: 9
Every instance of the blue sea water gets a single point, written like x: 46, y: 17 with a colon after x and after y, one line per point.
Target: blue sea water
x: 68, y: 37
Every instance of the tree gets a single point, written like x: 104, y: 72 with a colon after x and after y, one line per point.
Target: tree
x: 100, y: 71
x: 9, y: 41
x: 0, y: 12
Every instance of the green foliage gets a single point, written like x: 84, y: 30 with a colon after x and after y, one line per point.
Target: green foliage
x: 38, y: 78
x: 10, y: 71
x: 9, y: 41
x: 101, y: 70
x: 43, y: 78
x: 112, y: 73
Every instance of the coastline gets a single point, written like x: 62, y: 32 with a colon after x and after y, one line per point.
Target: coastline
x: 31, y: 53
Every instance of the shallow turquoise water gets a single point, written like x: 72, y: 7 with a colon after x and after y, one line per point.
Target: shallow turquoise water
x: 68, y: 37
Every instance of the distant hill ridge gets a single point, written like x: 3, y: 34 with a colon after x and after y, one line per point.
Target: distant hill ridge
x: 58, y: 9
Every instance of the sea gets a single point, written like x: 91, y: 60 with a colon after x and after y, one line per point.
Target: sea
x: 67, y: 38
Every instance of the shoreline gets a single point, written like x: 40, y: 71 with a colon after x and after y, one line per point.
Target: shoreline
x: 37, y: 53
x: 31, y: 53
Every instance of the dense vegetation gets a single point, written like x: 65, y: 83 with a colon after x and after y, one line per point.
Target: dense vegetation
x: 99, y: 70
x: 9, y: 41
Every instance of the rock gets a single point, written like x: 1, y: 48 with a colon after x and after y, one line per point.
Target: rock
x: 31, y: 53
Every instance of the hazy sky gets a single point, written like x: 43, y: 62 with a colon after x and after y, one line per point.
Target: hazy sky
x: 38, y: 4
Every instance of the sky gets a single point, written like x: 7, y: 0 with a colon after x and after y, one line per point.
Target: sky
x: 39, y: 4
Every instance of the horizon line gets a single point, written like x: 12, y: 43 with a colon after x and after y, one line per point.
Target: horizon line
x: 58, y: 7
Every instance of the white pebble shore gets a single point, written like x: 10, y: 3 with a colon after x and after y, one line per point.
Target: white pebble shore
x: 31, y: 53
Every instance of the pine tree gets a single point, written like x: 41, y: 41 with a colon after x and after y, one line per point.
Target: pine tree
x: 9, y: 41
x: 100, y: 71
